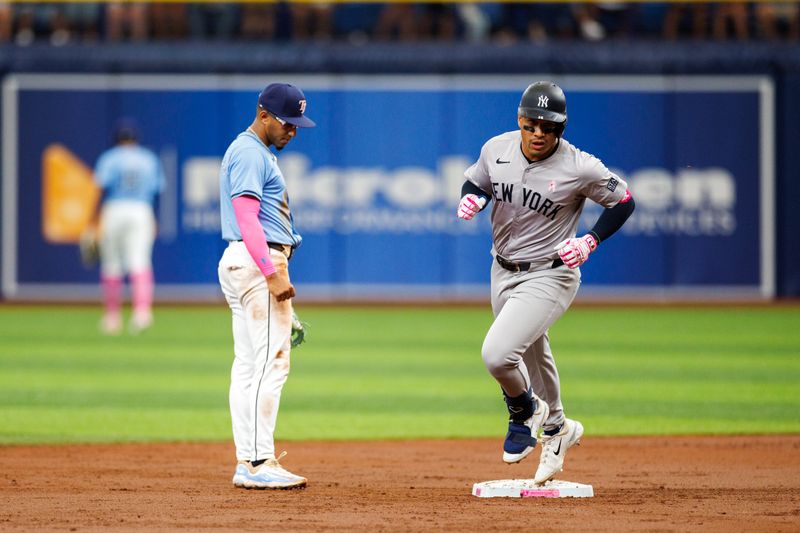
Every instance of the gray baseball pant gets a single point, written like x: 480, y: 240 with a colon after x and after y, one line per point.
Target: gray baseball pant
x: 516, y: 349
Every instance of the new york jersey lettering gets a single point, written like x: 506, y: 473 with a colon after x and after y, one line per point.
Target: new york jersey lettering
x: 535, y: 202
x: 506, y: 191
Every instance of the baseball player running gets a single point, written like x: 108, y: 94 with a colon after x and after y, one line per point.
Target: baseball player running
x: 254, y: 275
x: 539, y: 183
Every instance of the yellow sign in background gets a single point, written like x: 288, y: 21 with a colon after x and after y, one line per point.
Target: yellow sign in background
x: 69, y: 195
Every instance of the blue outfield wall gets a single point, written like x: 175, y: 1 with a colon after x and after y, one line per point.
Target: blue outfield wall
x: 787, y: 199
x: 375, y: 186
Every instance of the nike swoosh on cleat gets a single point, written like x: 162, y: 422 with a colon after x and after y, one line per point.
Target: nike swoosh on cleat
x: 501, y: 162
x: 558, y: 451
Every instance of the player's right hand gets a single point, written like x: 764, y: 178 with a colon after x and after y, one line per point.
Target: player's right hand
x: 470, y: 205
x: 89, y: 247
x: 279, y: 285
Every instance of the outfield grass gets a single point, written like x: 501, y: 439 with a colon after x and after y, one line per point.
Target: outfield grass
x: 397, y: 373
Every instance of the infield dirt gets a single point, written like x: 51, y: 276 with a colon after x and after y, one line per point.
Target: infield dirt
x: 730, y: 483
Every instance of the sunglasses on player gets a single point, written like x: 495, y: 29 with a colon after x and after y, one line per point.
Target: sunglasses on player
x: 544, y: 125
x: 281, y: 121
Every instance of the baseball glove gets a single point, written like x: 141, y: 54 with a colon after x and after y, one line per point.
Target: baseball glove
x: 298, y: 331
x: 89, y: 248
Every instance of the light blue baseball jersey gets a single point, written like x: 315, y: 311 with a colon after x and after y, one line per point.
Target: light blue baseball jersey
x: 250, y: 168
x: 129, y: 172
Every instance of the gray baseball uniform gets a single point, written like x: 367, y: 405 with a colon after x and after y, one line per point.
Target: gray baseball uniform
x: 536, y: 206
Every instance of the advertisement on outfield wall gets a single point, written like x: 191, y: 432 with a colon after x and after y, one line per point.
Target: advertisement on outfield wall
x: 375, y: 186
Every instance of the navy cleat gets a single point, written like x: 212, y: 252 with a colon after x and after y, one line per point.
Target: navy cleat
x: 521, y: 437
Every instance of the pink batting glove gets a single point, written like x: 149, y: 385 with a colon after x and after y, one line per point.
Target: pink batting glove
x: 574, y: 252
x: 470, y: 205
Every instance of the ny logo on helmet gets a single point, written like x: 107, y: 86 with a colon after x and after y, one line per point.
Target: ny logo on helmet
x: 302, y: 106
x: 543, y: 101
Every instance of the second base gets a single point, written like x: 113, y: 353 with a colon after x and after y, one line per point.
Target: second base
x: 526, y: 488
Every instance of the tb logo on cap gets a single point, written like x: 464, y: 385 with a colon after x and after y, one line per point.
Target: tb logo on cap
x: 286, y: 102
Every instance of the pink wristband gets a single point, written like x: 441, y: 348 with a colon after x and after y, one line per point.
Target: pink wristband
x: 246, y: 210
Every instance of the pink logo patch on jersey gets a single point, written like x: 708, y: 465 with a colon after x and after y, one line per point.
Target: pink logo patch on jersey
x: 551, y: 186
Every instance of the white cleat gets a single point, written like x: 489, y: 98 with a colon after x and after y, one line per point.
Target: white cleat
x: 268, y: 475
x: 521, y: 438
x: 240, y: 475
x: 555, y: 447
x: 111, y: 324
x: 140, y: 321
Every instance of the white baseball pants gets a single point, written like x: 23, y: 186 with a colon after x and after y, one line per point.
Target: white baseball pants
x: 128, y: 231
x: 262, y: 329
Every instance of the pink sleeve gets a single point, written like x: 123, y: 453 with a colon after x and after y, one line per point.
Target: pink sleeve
x: 246, y: 210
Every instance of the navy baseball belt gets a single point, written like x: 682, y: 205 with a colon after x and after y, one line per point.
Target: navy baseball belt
x: 525, y: 267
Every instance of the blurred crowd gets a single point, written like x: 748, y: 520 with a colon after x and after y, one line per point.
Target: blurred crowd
x: 64, y: 23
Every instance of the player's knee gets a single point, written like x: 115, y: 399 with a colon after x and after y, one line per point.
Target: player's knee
x: 496, y: 359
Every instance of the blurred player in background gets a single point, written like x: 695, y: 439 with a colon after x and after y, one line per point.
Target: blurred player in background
x: 539, y: 183
x: 254, y: 275
x: 130, y: 177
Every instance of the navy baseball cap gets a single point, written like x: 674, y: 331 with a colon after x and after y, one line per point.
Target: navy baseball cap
x: 126, y: 129
x: 286, y: 102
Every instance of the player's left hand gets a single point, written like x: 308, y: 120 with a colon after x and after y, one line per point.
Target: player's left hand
x: 298, y: 331
x: 574, y: 252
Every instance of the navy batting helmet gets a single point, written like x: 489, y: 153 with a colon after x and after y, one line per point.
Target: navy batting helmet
x: 544, y: 100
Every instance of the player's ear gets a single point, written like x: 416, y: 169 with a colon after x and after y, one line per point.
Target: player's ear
x: 520, y: 121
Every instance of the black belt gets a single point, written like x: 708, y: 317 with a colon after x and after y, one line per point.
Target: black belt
x: 279, y: 247
x: 282, y: 248
x: 522, y: 267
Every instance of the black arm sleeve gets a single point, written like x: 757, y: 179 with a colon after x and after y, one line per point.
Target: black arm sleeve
x: 471, y: 188
x: 612, y: 219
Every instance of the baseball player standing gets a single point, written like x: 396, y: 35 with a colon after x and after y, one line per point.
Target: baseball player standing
x: 539, y: 183
x: 130, y: 177
x: 254, y: 275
